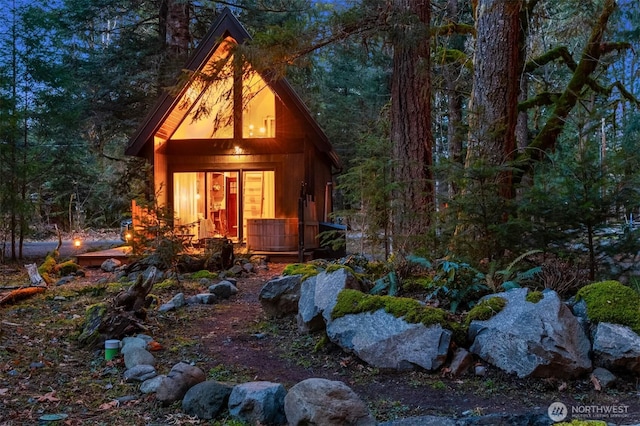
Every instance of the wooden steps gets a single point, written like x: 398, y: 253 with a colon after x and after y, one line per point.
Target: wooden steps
x: 95, y: 258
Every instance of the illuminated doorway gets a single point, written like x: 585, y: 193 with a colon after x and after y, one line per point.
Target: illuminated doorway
x: 209, y: 205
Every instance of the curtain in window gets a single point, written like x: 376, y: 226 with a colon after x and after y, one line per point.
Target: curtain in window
x: 185, y: 201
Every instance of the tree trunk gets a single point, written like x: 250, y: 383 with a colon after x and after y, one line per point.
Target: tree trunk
x: 453, y: 92
x: 177, y: 30
x: 411, y: 133
x: 498, y: 65
x: 175, y: 36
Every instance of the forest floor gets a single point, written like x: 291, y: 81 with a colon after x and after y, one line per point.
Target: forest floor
x: 43, y: 371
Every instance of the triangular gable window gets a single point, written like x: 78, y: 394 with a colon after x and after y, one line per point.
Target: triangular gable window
x: 209, y: 106
x: 259, y: 114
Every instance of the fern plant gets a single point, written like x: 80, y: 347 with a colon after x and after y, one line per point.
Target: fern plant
x: 458, y: 283
x: 510, y: 277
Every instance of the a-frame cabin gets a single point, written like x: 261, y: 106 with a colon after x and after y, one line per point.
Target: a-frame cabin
x: 237, y: 157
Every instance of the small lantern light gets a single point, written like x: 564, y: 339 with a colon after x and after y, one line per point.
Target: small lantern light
x: 128, y: 236
x: 77, y: 242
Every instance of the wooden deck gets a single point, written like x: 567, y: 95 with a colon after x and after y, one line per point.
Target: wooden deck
x: 123, y: 254
x: 96, y: 258
x: 283, y: 256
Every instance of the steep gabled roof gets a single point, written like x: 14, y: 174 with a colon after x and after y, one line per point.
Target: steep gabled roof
x: 226, y: 25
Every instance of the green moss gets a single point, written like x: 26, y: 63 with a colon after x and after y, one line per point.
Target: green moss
x: 96, y: 290
x: 203, y: 274
x: 48, y: 266
x: 485, y: 309
x: 611, y: 301
x: 349, y: 270
x: 307, y: 270
x: 167, y: 284
x: 90, y: 334
x: 578, y: 422
x: 336, y: 267
x: 354, y: 302
x: 534, y: 296
x: 67, y: 268
x: 322, y: 343
x: 417, y: 283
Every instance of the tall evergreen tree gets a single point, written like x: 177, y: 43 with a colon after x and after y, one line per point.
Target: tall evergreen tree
x: 411, y: 132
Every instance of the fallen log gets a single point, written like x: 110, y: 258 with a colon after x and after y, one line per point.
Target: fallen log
x: 20, y: 294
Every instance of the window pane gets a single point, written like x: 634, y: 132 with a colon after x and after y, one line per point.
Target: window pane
x: 259, y: 112
x: 209, y: 99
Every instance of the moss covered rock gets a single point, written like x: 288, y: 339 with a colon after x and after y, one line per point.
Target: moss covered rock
x: 355, y: 302
x: 542, y: 339
x: 390, y: 332
x: 613, y: 302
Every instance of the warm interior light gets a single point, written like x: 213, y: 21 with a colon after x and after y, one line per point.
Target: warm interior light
x: 127, y: 236
x: 77, y: 243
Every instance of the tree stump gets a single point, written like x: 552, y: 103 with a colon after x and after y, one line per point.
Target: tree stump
x: 124, y: 316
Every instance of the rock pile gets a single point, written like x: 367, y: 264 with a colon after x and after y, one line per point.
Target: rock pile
x: 531, y: 338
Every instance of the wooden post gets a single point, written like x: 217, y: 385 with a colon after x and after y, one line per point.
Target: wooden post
x: 301, y: 201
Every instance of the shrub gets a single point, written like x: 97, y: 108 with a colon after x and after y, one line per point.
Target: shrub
x: 564, y: 276
x: 611, y: 301
x: 457, y: 284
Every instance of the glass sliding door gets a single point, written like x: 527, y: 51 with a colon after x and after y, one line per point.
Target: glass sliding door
x: 208, y: 204
x: 258, y: 196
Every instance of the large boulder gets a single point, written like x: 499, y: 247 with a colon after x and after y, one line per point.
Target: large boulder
x: 616, y: 347
x: 138, y: 356
x: 384, y: 341
x: 323, y: 402
x: 258, y: 403
x: 318, y: 296
x: 280, y: 296
x: 206, y: 400
x: 180, y: 379
x: 110, y: 265
x: 533, y: 338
